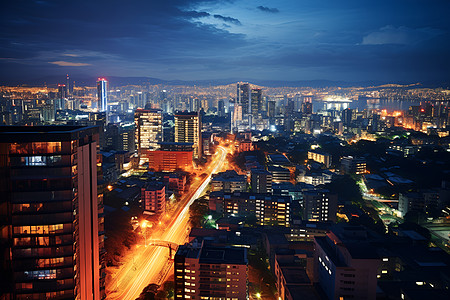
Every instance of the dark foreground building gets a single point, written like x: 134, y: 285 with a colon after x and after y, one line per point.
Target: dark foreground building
x: 51, y: 223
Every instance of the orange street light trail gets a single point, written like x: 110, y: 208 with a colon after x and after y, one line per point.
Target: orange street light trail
x: 148, y: 264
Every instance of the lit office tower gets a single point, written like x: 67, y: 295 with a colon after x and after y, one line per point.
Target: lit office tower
x: 257, y: 103
x: 51, y: 239
x: 243, y: 97
x: 149, y: 130
x: 188, y: 130
x: 60, y: 103
x: 102, y: 94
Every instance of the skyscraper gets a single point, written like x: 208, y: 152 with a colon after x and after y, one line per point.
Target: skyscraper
x: 243, y: 97
x: 102, y: 94
x: 149, y: 130
x: 188, y: 130
x: 257, y: 103
x: 51, y: 240
x: 68, y: 86
x: 307, y: 107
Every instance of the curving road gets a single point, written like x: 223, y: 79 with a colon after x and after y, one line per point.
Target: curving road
x: 149, y: 264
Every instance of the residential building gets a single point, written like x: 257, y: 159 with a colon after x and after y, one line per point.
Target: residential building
x: 229, y: 182
x: 261, y: 181
x: 320, y: 157
x: 153, y: 196
x: 346, y: 268
x: 319, y: 206
x: 206, y: 272
x: 353, y: 165
x: 268, y: 209
x: 51, y: 216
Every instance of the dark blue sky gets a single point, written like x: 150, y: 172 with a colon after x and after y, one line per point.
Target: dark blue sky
x: 348, y: 40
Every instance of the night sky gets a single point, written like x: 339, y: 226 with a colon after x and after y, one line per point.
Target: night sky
x: 345, y: 40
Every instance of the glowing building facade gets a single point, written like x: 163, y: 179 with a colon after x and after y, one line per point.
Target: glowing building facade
x: 51, y: 224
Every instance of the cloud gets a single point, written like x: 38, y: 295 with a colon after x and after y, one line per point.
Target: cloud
x: 68, y: 63
x: 228, y: 19
x: 268, y: 9
x: 195, y: 14
x: 71, y: 54
x: 399, y: 35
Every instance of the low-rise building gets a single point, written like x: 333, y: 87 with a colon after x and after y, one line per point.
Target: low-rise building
x: 171, y: 156
x: 268, y: 209
x: 320, y: 157
x: 206, y: 272
x: 228, y: 182
x: 353, y: 165
x: 279, y: 174
x: 153, y: 196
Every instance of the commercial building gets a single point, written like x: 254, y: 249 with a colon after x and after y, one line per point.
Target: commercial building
x: 268, y: 209
x: 188, y: 127
x: 102, y: 94
x: 149, y: 131
x: 153, y: 196
x: 320, y: 157
x: 243, y: 97
x: 261, y: 181
x: 319, y: 206
x: 205, y: 272
x: 229, y: 182
x: 256, y: 102
x: 171, y: 157
x: 120, y: 137
x: 353, y: 165
x: 51, y: 216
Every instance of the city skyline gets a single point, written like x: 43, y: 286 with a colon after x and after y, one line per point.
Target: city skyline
x: 405, y: 41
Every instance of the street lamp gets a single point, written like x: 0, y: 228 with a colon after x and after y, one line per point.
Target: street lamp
x: 144, y: 227
x: 258, y: 295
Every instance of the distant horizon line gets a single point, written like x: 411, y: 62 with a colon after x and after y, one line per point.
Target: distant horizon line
x: 86, y: 80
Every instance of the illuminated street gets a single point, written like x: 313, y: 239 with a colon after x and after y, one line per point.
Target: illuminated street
x: 150, y: 264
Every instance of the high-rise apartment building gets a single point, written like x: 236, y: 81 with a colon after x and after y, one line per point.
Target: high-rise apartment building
x: 188, y: 126
x: 206, y: 272
x: 102, y: 94
x: 51, y: 224
x: 149, y: 130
